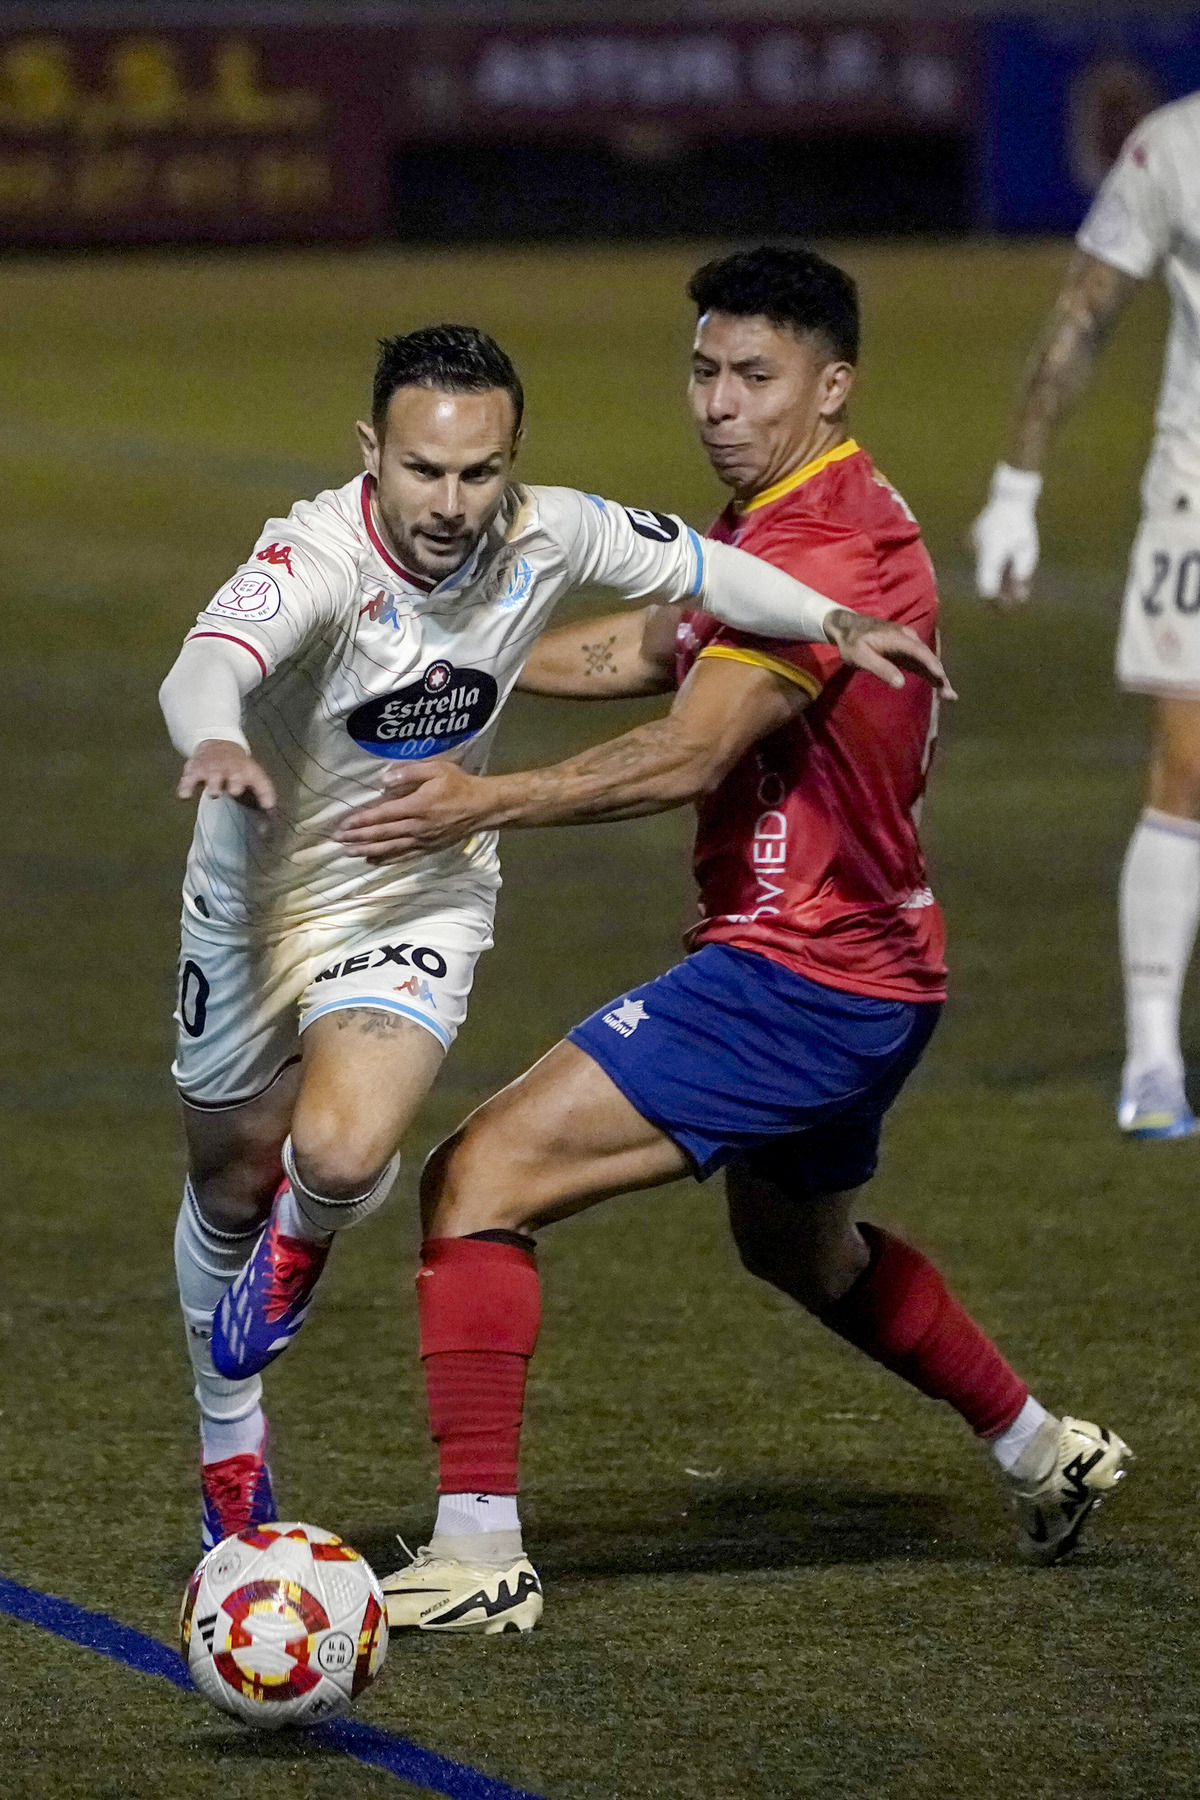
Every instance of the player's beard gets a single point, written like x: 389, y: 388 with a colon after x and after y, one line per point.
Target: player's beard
x: 417, y: 549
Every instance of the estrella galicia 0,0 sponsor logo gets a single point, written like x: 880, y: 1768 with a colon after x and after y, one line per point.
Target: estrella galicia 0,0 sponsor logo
x: 440, y: 711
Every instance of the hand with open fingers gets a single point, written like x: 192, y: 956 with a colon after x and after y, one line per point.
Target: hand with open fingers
x: 886, y: 650
x: 218, y: 767
x: 428, y: 807
x: 1004, y: 538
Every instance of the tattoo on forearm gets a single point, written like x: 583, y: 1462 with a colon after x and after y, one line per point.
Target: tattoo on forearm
x: 1075, y: 333
x: 598, y: 658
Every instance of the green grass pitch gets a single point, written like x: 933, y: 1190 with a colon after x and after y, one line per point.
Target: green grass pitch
x: 772, y: 1570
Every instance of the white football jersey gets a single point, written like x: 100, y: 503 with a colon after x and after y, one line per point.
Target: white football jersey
x: 364, y: 664
x: 1147, y: 214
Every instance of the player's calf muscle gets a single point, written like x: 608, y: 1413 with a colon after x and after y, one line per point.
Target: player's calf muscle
x: 233, y: 1161
x: 1174, y: 774
x: 812, y: 1250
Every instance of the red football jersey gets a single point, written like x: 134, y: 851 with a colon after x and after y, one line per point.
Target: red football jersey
x: 808, y: 851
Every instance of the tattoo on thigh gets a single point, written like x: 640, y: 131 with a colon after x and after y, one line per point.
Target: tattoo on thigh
x: 372, y: 1021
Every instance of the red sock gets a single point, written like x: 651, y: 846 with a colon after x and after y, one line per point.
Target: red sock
x: 901, y: 1313
x: 480, y: 1307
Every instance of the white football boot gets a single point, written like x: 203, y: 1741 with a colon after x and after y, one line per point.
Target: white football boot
x: 439, y: 1593
x: 1085, y: 1463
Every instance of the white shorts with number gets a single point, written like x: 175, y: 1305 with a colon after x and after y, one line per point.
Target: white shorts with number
x: 244, y: 997
x: 1158, y: 650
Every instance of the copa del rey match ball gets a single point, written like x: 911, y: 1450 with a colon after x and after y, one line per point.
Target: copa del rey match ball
x: 283, y: 1625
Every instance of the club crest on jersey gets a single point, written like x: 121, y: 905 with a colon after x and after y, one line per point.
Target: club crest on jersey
x: 252, y: 597
x: 279, y: 554
x: 441, y: 710
x: 509, y: 581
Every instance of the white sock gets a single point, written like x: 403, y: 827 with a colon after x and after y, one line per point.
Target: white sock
x: 460, y: 1514
x: 206, y: 1261
x: 1008, y: 1446
x: 220, y: 1438
x: 1160, y: 903
x: 483, y: 1529
x: 294, y: 1223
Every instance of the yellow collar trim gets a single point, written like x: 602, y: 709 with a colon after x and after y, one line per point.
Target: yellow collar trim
x: 839, y: 451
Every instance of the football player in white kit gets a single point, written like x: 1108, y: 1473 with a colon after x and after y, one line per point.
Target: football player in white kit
x: 318, y: 991
x: 1145, y: 217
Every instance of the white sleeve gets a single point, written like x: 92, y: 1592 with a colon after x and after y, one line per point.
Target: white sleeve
x: 754, y: 596
x: 289, y: 587
x: 647, y: 555
x: 202, y: 696
x: 1134, y: 216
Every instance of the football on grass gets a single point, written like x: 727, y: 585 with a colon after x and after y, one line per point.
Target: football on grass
x: 283, y: 1625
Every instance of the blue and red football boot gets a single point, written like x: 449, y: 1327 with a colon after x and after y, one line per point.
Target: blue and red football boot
x: 261, y: 1312
x: 235, y: 1493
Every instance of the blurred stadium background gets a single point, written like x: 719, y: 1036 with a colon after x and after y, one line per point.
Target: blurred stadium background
x: 772, y: 1571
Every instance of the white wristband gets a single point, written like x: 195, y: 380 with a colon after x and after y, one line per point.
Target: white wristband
x: 1022, y: 485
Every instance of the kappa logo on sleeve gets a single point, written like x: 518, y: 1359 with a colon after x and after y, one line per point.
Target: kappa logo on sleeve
x: 252, y: 598
x: 438, y: 712
x: 280, y: 554
x: 655, y: 525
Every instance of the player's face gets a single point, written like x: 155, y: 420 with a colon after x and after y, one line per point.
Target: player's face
x: 764, y: 398
x: 440, y: 466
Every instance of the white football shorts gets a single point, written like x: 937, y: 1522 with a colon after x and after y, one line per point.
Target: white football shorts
x: 1158, y: 648
x: 244, y: 997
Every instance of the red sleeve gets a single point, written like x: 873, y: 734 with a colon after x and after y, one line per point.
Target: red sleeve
x: 834, y: 560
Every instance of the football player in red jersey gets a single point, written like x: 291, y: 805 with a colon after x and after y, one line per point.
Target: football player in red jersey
x: 814, y: 982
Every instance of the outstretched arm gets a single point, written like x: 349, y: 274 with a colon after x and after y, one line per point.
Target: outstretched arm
x: 722, y: 708
x: 624, y: 654
x: 634, y: 653
x: 1004, y: 536
x: 201, y: 701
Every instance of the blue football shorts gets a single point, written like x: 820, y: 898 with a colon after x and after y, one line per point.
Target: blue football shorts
x: 734, y: 1056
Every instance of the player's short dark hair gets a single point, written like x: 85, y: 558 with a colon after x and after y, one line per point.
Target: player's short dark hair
x: 459, y: 359
x: 794, y: 288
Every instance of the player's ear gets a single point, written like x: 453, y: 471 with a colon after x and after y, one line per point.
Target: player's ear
x: 837, y: 378
x: 518, y: 440
x: 370, y: 446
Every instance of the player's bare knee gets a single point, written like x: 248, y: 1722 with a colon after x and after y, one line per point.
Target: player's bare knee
x: 478, y: 1180
x: 336, y: 1168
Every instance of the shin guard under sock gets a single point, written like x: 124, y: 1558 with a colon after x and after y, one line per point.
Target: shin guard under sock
x: 206, y: 1261
x: 479, y: 1302
x: 901, y: 1313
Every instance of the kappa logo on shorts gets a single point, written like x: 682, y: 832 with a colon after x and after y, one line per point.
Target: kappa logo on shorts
x: 438, y: 712
x: 626, y: 1018
x: 430, y: 962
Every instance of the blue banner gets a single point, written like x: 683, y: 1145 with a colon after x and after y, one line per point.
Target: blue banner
x: 1061, y: 95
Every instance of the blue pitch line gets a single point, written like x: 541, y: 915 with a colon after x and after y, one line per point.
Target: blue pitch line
x: 365, y: 1743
